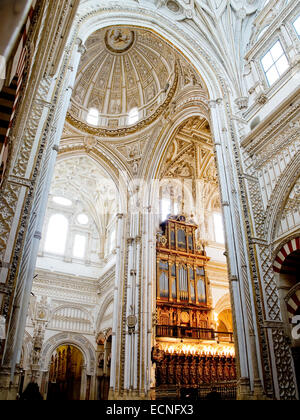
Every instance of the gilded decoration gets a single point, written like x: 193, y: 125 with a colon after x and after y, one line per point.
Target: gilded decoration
x: 103, y: 132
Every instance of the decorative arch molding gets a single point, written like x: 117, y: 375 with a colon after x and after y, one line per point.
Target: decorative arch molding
x: 80, y: 150
x: 290, y: 247
x: 108, y: 300
x: 72, y: 339
x: 281, y: 192
x: 210, y: 69
x: 105, y: 158
x: 284, y: 242
x: 160, y: 149
x: 72, y: 306
x: 63, y: 313
x: 213, y: 199
x: 292, y: 301
x: 223, y: 304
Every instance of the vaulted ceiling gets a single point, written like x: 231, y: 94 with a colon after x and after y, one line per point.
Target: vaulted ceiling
x: 80, y: 178
x: 123, y: 68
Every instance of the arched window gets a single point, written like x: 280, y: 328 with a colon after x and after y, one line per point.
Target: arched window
x: 133, y: 116
x: 57, y: 234
x: 93, y: 116
x: 165, y: 208
x: 219, y: 228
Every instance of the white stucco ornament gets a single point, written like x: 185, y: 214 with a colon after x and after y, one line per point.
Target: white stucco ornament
x: 219, y: 6
x: 250, y: 6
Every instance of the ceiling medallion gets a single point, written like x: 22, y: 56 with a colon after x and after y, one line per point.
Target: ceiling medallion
x: 173, y: 6
x: 119, y: 40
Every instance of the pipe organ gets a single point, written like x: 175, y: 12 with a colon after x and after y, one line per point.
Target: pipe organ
x: 183, y: 295
x: 186, y: 340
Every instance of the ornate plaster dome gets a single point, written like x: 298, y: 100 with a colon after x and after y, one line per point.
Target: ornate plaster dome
x: 123, y: 69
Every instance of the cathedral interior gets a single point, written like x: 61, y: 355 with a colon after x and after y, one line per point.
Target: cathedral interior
x: 150, y: 199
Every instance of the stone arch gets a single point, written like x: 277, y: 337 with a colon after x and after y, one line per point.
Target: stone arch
x: 111, y: 166
x: 290, y: 247
x: 206, y: 65
x: 223, y: 303
x: 198, y: 52
x: 160, y: 151
x: 292, y: 301
x: 109, y: 300
x: 63, y: 308
x: 76, y: 340
x: 281, y: 192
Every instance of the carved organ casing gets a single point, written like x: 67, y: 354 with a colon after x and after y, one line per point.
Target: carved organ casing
x: 182, y: 286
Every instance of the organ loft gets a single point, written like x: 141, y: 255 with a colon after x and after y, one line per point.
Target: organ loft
x: 189, y: 352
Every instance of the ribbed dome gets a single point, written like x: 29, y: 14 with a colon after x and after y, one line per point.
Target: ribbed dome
x: 122, y: 69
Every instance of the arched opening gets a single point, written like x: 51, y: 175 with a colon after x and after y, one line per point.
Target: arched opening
x: 65, y: 374
x: 104, y: 365
x: 192, y: 273
x: 287, y: 265
x: 188, y: 285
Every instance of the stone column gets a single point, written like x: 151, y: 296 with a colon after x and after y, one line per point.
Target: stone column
x: 239, y: 287
x: 83, y: 383
x: 129, y: 311
x: 27, y: 268
x: 116, y: 330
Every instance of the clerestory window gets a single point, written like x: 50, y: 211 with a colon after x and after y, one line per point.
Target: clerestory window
x: 275, y: 63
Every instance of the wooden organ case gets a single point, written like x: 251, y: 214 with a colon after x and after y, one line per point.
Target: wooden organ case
x: 184, y: 324
x: 183, y: 295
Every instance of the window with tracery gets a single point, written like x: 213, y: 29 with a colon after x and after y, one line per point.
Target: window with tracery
x: 219, y: 228
x: 275, y: 63
x: 70, y: 232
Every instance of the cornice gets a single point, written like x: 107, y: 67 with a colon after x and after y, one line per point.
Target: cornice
x: 273, y: 124
x: 62, y: 276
